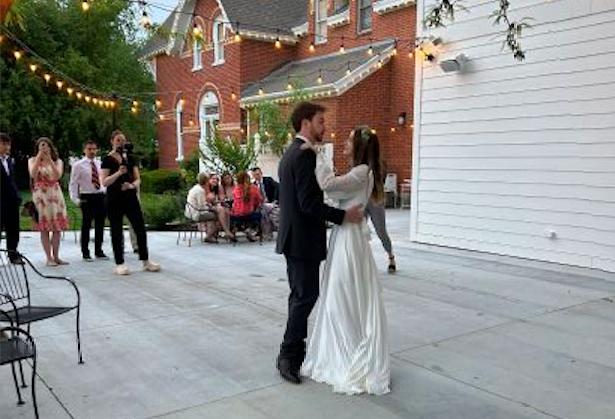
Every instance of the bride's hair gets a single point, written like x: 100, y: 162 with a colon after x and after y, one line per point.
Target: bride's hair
x: 366, y: 150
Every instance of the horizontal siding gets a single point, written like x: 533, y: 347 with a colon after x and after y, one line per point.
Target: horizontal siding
x: 508, y: 152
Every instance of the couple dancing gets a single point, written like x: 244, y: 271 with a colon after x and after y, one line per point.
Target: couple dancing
x: 348, y: 347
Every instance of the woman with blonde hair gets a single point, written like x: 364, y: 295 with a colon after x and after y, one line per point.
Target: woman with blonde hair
x: 46, y: 170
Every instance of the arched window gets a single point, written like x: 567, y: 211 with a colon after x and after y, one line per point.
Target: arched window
x: 197, y: 56
x: 217, y: 36
x: 179, y: 109
x: 209, y: 115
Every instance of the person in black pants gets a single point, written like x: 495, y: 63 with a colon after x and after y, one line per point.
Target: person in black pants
x: 11, y: 199
x: 87, y: 192
x: 121, y: 177
x: 302, y: 232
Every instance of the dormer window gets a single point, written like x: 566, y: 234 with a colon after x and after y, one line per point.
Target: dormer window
x: 340, y: 6
x: 364, y: 11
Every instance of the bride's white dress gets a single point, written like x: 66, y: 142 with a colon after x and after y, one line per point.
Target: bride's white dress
x: 349, y: 347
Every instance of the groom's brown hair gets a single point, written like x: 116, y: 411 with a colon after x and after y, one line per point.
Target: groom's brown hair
x: 305, y: 110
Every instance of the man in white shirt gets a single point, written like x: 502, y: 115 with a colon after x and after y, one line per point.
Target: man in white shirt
x: 87, y: 192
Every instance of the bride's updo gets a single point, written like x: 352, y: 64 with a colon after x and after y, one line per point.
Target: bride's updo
x: 366, y: 150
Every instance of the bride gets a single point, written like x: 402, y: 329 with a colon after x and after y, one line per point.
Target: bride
x: 348, y: 347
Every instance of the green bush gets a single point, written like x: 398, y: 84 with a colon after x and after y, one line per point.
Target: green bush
x: 190, y: 168
x: 160, y: 181
x: 158, y: 210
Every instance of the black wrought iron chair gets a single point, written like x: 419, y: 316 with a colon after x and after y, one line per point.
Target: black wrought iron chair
x: 187, y: 226
x: 15, y: 299
x: 16, y: 345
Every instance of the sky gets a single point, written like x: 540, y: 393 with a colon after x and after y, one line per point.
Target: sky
x: 157, y: 15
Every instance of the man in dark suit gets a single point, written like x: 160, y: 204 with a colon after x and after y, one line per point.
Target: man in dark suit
x: 302, y: 232
x: 267, y: 186
x: 11, y: 199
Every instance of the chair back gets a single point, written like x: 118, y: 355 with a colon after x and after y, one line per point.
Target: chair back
x: 13, y: 280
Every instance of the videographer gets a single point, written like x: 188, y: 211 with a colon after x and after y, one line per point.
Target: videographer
x: 120, y: 175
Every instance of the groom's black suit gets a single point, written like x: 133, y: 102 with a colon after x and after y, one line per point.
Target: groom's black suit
x: 302, y: 239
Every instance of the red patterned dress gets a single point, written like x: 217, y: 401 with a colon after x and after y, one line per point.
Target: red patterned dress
x: 49, y: 201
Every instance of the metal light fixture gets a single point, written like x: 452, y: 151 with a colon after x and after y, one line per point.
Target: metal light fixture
x: 401, y: 119
x: 456, y: 64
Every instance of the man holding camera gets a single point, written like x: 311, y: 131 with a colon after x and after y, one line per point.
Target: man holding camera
x: 87, y: 192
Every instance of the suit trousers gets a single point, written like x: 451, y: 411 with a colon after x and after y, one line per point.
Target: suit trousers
x: 92, y: 209
x: 9, y: 222
x: 303, y: 278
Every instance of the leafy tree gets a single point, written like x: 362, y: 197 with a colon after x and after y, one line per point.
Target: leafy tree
x: 228, y: 155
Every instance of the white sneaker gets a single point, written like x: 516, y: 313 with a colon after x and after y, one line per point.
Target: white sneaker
x: 150, y: 266
x: 121, y: 270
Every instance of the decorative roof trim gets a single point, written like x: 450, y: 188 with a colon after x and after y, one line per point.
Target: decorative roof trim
x: 386, y: 6
x: 340, y: 19
x: 267, y: 36
x: 300, y: 30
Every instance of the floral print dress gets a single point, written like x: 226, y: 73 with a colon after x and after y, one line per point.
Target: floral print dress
x: 49, y: 201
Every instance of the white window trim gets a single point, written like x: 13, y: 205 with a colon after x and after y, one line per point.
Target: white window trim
x: 319, y: 39
x: 197, y: 56
x: 179, y: 109
x: 210, y: 120
x: 218, y: 45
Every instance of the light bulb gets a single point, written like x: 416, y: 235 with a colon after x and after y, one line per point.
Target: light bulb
x: 59, y: 84
x: 158, y: 103
x: 278, y: 44
x: 17, y: 55
x: 33, y: 68
x: 85, y: 5
x: 312, y: 47
x: 370, y: 51
x: 47, y: 77
x: 70, y: 91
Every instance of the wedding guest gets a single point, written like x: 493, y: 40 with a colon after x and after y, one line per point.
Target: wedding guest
x: 87, y: 192
x: 120, y: 175
x: 247, y: 200
x: 46, y: 170
x: 10, y: 200
x: 269, y: 191
x: 218, y: 198
x: 228, y: 185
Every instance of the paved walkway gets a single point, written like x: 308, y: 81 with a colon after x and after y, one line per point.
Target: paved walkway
x: 471, y: 338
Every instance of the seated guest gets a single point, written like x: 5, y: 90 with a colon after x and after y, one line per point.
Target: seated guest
x: 269, y: 209
x: 201, y: 207
x: 247, y: 200
x: 227, y: 185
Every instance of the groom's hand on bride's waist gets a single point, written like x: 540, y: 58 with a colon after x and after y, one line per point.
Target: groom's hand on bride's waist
x: 354, y: 214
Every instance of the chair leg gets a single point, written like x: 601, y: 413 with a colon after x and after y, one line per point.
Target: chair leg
x: 23, y: 380
x: 33, y: 386
x: 179, y: 233
x: 19, y: 399
x: 79, y: 334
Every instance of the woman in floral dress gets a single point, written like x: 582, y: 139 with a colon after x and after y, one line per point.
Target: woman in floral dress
x: 46, y: 170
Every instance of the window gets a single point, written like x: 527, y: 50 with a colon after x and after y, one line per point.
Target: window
x: 197, y: 49
x: 320, y: 22
x: 218, y: 40
x: 365, y: 15
x: 179, y: 109
x: 209, y: 115
x: 340, y: 6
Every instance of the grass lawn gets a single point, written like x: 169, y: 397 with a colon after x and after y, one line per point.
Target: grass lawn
x: 74, y: 213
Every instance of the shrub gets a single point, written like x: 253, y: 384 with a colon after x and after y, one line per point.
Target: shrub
x: 158, y: 210
x: 161, y: 180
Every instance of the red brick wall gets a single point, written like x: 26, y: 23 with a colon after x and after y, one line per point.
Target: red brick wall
x: 389, y: 91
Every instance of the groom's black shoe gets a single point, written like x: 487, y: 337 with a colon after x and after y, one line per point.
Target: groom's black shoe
x: 290, y: 374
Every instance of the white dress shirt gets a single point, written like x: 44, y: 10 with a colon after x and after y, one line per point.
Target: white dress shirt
x: 5, y: 163
x: 81, y: 179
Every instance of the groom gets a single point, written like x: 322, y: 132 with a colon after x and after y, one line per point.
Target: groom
x: 302, y: 232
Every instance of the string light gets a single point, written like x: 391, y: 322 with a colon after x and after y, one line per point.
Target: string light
x: 233, y: 96
x: 196, y: 30
x: 333, y: 136
x: 70, y: 91
x: 348, y: 70
x: 18, y: 55
x: 380, y: 63
x: 158, y: 103
x: 79, y: 95
x: 370, y: 51
x: 278, y: 44
x: 134, y: 109
x: 59, y: 84
x: 312, y: 47
x: 342, y: 49
x: 393, y: 129
x: 85, y: 5
x: 261, y: 91
x: 191, y: 123
x: 95, y: 101
x: 237, y: 34
x: 47, y: 77
x: 289, y: 86
x: 411, y: 54
x: 182, y: 102
x: 161, y: 116
x: 146, y: 22
x: 88, y: 99
x: 319, y: 80
x: 135, y: 103
x: 33, y: 68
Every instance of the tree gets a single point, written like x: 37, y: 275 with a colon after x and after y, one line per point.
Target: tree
x: 97, y: 49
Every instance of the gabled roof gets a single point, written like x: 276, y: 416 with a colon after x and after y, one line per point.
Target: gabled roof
x: 333, y: 68
x: 255, y: 17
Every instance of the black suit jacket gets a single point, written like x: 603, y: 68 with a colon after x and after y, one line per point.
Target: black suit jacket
x: 8, y: 188
x: 302, y: 231
x: 271, y: 189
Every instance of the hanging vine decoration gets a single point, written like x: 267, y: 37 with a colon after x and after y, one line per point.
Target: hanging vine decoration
x: 446, y: 9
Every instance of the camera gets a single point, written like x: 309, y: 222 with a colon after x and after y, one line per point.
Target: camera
x: 128, y: 148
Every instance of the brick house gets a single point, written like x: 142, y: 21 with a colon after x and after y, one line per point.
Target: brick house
x: 352, y: 56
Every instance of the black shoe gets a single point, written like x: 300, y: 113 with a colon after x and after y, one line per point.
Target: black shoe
x: 135, y: 251
x: 17, y: 260
x: 101, y: 255
x: 87, y: 258
x: 287, y: 371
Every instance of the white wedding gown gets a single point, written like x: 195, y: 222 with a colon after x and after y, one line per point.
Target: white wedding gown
x: 348, y: 347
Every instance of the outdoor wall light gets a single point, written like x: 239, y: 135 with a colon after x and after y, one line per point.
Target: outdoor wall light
x: 401, y: 119
x: 456, y: 64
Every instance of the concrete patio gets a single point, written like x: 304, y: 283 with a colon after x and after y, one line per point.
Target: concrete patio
x: 472, y: 336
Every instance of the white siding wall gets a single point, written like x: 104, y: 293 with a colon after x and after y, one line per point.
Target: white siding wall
x: 508, y: 152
